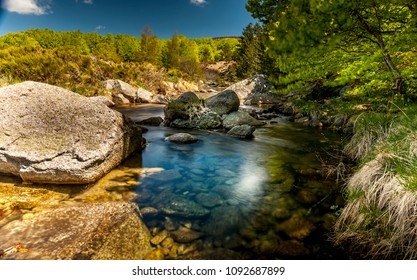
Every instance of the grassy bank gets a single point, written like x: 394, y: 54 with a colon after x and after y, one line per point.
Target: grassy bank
x: 380, y: 216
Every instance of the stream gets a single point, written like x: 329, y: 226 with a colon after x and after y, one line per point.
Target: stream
x: 228, y: 198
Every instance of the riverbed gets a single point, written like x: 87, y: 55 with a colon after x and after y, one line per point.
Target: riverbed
x: 228, y: 198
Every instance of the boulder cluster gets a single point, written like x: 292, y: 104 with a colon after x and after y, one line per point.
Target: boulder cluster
x: 220, y: 111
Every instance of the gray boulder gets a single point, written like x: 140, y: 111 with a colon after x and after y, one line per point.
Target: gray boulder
x: 209, y: 120
x: 119, y: 99
x: 51, y: 135
x: 182, y: 138
x: 87, y: 231
x: 119, y: 87
x: 256, y: 90
x: 256, y: 84
x: 224, y: 102
x: 188, y: 97
x: 242, y: 131
x: 240, y: 118
x: 143, y: 96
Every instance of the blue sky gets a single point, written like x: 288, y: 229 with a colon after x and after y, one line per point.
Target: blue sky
x: 192, y: 18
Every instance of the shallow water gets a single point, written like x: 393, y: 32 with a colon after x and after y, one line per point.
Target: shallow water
x: 227, y: 198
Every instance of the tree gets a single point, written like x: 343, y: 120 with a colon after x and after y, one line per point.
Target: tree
x: 150, y: 47
x: 308, y: 29
x: 249, y: 52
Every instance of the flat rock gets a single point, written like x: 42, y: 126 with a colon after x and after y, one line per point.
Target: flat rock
x: 88, y: 231
x: 51, y: 135
x: 182, y: 138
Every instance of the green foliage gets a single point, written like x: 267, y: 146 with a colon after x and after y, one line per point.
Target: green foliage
x: 357, y: 43
x: 81, y: 61
x: 249, y: 52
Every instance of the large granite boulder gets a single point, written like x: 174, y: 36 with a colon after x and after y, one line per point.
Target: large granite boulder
x: 255, y: 90
x: 224, y: 102
x: 52, y: 135
x: 240, y: 118
x: 88, y: 231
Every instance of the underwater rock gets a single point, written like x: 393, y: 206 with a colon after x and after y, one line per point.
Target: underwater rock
x: 179, y: 206
x: 185, y: 235
x: 209, y: 200
x: 100, y: 231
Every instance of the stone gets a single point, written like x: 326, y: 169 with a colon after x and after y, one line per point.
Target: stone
x: 152, y: 121
x: 251, y: 86
x: 292, y: 248
x: 188, y: 97
x: 297, y: 227
x: 209, y: 120
x: 119, y: 99
x: 242, y: 131
x: 240, y: 118
x: 209, y: 200
x: 121, y: 88
x: 185, y: 235
x: 159, y: 237
x: 176, y: 205
x: 182, y: 138
x: 224, y: 102
x: 149, y: 212
x: 51, y: 135
x: 143, y: 96
x: 84, y: 231
x: 103, y: 99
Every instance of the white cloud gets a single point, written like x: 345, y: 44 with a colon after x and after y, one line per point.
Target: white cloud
x: 25, y: 7
x: 198, y: 2
x: 100, y: 27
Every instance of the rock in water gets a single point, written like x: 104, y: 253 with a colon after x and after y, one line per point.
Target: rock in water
x: 240, y: 118
x: 224, y: 102
x: 242, y: 131
x: 51, y: 135
x: 182, y: 138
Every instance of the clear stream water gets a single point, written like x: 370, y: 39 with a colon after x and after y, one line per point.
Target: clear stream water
x: 265, y: 198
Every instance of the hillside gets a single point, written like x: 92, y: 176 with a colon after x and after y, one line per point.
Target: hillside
x: 81, y: 61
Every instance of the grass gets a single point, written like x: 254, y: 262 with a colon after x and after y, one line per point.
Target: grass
x: 381, y: 211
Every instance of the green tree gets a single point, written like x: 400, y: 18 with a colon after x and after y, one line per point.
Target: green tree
x: 249, y: 52
x: 314, y: 29
x: 150, y: 47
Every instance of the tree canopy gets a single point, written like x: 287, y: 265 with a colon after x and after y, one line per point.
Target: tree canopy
x: 329, y: 37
